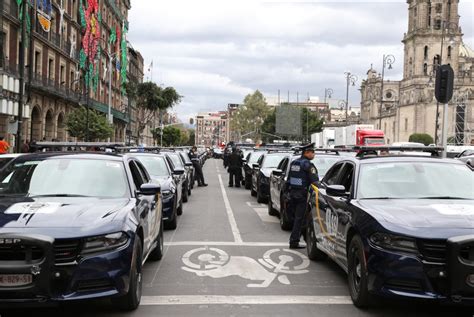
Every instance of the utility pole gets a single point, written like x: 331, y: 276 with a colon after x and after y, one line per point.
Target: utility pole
x: 21, y: 99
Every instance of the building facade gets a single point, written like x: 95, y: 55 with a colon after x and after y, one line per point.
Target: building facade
x: 409, y: 106
x: 73, y: 51
x: 212, y: 128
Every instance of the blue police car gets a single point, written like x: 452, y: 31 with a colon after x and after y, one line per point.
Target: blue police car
x: 400, y: 226
x: 77, y: 227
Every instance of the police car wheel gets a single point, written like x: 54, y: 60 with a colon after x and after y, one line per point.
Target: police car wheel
x: 357, y: 273
x: 260, y: 199
x: 271, y: 211
x: 253, y: 193
x: 131, y: 300
x: 185, y: 194
x: 179, y: 211
x: 284, y: 221
x: 312, y: 245
x: 172, y: 223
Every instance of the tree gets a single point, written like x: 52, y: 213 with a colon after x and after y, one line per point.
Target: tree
x: 150, y: 99
x: 171, y: 136
x: 424, y: 138
x: 251, y: 115
x: 99, y: 127
x: 311, y: 122
x: 192, y: 137
x: 269, y: 126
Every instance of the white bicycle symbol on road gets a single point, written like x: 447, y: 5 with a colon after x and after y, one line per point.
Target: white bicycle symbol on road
x: 275, y: 264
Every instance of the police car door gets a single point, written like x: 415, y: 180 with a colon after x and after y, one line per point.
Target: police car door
x: 341, y: 210
x: 325, y: 215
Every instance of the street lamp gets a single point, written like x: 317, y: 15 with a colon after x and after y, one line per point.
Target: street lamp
x: 350, y: 79
x: 451, y: 29
x: 328, y: 92
x: 388, y: 60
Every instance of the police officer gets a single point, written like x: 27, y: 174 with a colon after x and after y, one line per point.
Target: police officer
x: 235, y: 167
x: 197, y: 166
x: 302, y: 174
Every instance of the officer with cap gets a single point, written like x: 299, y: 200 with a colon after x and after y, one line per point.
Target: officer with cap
x: 302, y: 174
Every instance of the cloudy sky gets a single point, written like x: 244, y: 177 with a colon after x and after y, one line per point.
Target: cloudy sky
x: 214, y: 52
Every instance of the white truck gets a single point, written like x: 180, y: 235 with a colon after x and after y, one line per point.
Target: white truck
x: 324, y: 139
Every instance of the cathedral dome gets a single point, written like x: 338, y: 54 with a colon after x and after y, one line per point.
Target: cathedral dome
x: 465, y: 51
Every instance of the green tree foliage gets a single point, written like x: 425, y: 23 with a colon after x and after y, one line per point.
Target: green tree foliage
x: 310, y: 120
x: 150, y: 99
x: 171, y: 136
x: 251, y: 115
x: 192, y: 137
x: 269, y: 126
x: 424, y: 138
x: 99, y: 128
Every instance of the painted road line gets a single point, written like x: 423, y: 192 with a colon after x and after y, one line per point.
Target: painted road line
x: 230, y: 214
x: 253, y: 205
x: 264, y: 216
x: 226, y: 244
x: 244, y: 300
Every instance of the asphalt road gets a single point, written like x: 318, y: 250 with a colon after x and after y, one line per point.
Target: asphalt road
x: 229, y: 258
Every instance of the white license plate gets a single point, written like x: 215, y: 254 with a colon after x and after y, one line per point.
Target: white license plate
x: 12, y: 280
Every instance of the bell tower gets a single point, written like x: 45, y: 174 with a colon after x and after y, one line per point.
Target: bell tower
x: 433, y: 37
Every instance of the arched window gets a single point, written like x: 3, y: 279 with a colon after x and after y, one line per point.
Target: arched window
x: 438, y: 24
x: 429, y: 14
x: 450, y: 51
x: 425, y: 69
x: 426, y: 52
x: 436, y: 60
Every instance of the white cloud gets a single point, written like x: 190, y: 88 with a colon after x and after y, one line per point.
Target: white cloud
x: 215, y: 52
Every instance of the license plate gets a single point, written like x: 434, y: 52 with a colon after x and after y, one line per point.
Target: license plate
x: 13, y: 280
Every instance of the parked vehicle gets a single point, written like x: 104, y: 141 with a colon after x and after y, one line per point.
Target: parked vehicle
x: 250, y: 159
x: 261, y: 174
x: 177, y: 164
x: 325, y: 139
x: 77, y: 227
x: 400, y: 226
x: 358, y: 135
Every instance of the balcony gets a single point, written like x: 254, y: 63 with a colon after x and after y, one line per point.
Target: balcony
x: 52, y: 87
x: 11, y: 8
x: 61, y: 43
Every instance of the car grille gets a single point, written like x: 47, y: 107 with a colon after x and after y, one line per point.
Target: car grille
x: 20, y: 253
x: 66, y: 251
x: 404, y: 285
x: 94, y: 285
x: 433, y: 250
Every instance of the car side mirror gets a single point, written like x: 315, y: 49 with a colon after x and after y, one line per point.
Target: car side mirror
x: 188, y: 164
x: 277, y: 173
x: 149, y: 189
x: 244, y: 161
x: 178, y: 172
x: 255, y: 166
x: 336, y: 190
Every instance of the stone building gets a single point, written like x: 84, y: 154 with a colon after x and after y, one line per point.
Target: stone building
x: 408, y: 106
x: 67, y: 58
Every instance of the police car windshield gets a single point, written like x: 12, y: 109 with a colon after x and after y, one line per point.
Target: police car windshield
x: 176, y: 160
x: 324, y: 163
x: 415, y: 180
x: 66, y: 178
x: 155, y: 165
x: 272, y: 160
x: 255, y: 156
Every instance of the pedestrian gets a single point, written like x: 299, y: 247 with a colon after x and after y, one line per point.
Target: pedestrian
x: 4, y: 145
x: 235, y: 167
x: 193, y: 154
x: 25, y: 148
x: 302, y: 174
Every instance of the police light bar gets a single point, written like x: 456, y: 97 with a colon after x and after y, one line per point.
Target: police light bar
x: 79, y: 145
x: 431, y: 149
x: 137, y: 148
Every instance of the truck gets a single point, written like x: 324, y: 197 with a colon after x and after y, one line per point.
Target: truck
x: 324, y: 139
x: 359, y: 134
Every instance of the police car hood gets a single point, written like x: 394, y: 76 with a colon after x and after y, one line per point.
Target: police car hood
x: 420, y: 215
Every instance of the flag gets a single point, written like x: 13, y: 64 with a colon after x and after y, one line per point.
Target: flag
x: 150, y: 67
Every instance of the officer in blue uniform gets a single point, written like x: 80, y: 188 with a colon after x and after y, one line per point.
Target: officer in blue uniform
x: 302, y: 174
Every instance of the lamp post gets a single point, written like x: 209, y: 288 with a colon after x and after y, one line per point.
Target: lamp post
x: 388, y: 61
x: 328, y: 92
x: 448, y: 28
x: 350, y: 79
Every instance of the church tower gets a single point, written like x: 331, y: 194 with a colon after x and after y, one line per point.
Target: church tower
x: 431, y: 24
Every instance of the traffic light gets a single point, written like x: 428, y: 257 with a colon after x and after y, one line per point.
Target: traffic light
x: 444, y: 83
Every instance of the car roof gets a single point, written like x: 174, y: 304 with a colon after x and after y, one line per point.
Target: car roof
x: 70, y: 155
x: 401, y: 158
x: 11, y: 155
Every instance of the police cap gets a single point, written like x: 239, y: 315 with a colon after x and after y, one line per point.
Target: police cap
x: 307, y: 147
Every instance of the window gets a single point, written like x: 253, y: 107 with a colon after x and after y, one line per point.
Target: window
x: 429, y: 14
x: 450, y: 50
x: 282, y: 164
x: 62, y: 76
x: 2, y: 49
x: 426, y: 52
x: 143, y: 172
x: 331, y: 176
x: 50, y: 68
x: 137, y: 177
x: 438, y: 24
x: 406, y: 124
x: 347, y: 176
x: 436, y: 60
x: 37, y: 62
x: 425, y: 69
x: 439, y: 8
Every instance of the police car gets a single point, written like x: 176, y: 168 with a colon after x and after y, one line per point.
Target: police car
x: 400, y: 226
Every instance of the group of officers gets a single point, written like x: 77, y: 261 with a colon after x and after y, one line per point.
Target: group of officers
x: 301, y: 176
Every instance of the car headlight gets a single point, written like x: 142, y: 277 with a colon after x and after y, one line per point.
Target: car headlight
x: 104, y: 243
x: 166, y: 194
x: 393, y: 242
